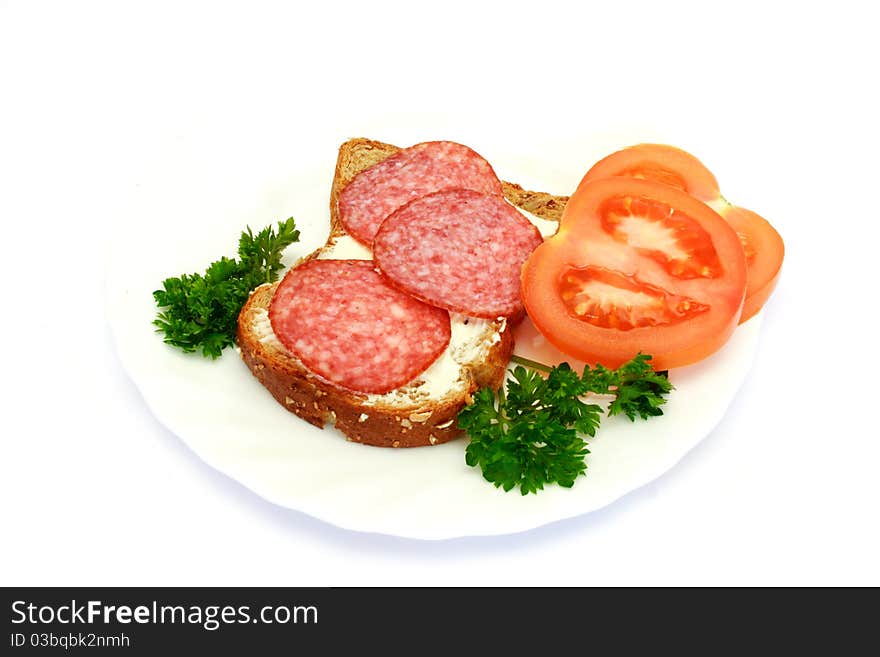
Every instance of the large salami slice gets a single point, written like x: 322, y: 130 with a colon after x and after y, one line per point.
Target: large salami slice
x: 413, y: 172
x: 458, y: 249
x: 349, y: 326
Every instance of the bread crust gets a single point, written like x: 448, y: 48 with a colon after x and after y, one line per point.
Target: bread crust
x: 360, y: 417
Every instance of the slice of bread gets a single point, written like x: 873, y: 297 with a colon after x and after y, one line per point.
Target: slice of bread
x: 424, y: 411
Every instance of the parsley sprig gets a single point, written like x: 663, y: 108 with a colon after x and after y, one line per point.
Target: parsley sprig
x: 534, y: 434
x: 200, y: 311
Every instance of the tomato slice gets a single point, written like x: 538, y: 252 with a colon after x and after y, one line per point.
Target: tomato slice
x: 661, y: 163
x: 764, y: 251
x: 636, y: 266
x: 677, y: 168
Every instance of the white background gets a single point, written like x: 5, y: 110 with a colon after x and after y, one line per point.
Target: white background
x: 778, y: 98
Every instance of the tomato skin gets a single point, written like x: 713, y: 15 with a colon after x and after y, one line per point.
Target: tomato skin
x: 678, y: 168
x: 583, y: 241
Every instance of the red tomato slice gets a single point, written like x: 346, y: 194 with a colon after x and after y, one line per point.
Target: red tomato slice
x: 636, y: 266
x: 677, y: 168
x: 764, y: 252
x: 660, y: 163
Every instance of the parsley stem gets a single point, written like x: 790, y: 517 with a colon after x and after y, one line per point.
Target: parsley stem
x: 533, y: 364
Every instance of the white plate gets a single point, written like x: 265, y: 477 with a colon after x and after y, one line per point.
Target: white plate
x: 192, y: 209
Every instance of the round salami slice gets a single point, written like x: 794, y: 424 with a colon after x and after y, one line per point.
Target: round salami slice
x: 458, y: 249
x: 345, y: 323
x: 413, y: 172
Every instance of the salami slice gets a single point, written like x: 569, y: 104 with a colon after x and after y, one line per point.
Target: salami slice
x: 458, y: 249
x: 413, y: 172
x: 345, y: 323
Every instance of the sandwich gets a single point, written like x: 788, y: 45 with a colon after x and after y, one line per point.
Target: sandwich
x: 387, y: 330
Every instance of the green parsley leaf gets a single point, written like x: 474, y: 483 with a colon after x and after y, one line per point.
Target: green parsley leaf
x: 639, y: 389
x: 534, y: 434
x: 262, y: 252
x: 200, y: 311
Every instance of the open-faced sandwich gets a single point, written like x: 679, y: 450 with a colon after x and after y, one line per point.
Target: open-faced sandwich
x: 388, y: 329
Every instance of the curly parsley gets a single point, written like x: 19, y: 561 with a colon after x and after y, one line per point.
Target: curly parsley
x: 200, y: 311
x: 533, y: 434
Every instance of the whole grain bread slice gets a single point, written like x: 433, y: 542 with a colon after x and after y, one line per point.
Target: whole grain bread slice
x: 421, y: 413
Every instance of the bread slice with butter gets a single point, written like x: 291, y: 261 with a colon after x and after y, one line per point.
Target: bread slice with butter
x: 422, y: 412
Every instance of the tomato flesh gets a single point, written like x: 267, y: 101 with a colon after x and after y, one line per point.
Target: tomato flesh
x: 764, y: 249
x: 661, y: 232
x: 611, y: 299
x: 657, y: 174
x: 636, y: 266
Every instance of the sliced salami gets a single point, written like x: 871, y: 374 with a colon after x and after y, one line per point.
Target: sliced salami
x: 413, y: 172
x: 458, y: 249
x: 345, y: 323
